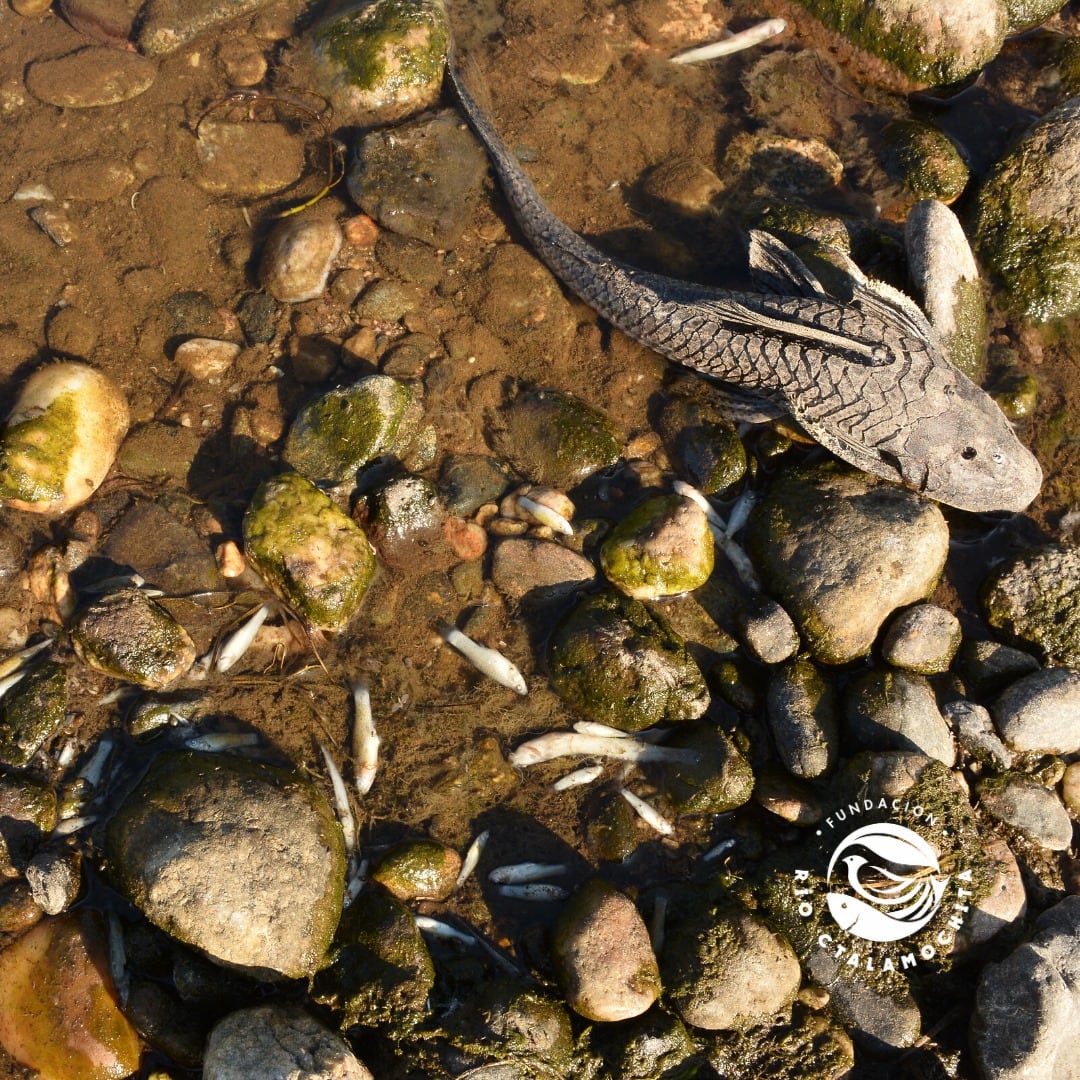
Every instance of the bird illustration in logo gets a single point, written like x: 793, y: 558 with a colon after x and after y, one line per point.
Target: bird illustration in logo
x: 893, y: 882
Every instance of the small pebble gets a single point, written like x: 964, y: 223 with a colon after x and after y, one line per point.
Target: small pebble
x: 206, y: 358
x: 768, y: 631
x: 297, y: 258
x: 923, y: 638
x: 230, y: 559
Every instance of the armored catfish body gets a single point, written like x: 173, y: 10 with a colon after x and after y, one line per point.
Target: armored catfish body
x: 865, y: 375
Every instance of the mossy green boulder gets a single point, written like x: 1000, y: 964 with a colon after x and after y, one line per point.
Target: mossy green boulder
x: 31, y: 712
x: 308, y: 550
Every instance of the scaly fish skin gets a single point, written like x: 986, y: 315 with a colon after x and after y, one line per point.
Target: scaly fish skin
x: 865, y: 377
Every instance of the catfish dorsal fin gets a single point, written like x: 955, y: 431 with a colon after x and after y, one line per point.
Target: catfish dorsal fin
x: 775, y: 268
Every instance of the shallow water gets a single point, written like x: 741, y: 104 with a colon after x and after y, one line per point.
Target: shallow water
x: 444, y: 728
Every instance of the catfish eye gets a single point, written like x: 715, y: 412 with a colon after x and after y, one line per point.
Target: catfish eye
x: 969, y: 453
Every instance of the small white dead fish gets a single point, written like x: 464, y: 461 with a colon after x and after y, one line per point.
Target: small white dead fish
x: 648, y: 813
x: 489, y: 662
x: 558, y: 744
x: 472, y: 857
x: 722, y: 534
x: 94, y: 768
x: 216, y: 741
x: 718, y: 850
x: 16, y: 660
x: 8, y: 681
x: 533, y: 891
x: 427, y: 925
x: 578, y: 777
x: 522, y: 873
x: 341, y: 802
x: 70, y: 825
x: 365, y: 740
x: 241, y: 639
x: 744, y: 39
x: 357, y: 880
x: 604, y: 731
x: 118, y: 958
x: 545, y: 515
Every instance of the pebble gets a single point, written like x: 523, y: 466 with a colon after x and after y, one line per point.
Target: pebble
x: 725, y: 969
x: 55, y: 223
x: 97, y: 178
x: 539, y: 570
x: 1027, y: 1008
x: 407, y: 521
x: 247, y: 160
x: 30, y: 9
x: 897, y: 710
x: 421, y: 869
x: 278, y: 1041
x: 206, y: 358
x: 1004, y: 904
x: 106, y: 21
x: 55, y: 878
x: 72, y: 333
x: 1040, y: 713
x: 974, y: 730
x: 1031, y: 809
x: 167, y: 25
x: 802, y: 715
x: 841, y: 552
x: 195, y: 816
x: 603, y: 956
x: 297, y: 258
x: 719, y: 780
x: 90, y: 77
x: 768, y: 631
x: 923, y: 639
x: 1070, y: 788
x: 58, y: 1011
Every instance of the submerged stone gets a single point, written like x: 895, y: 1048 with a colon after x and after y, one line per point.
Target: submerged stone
x: 718, y: 781
x: 310, y: 552
x: 614, y: 661
x: 339, y: 433
x: 31, y: 712
x: 129, y: 636
x: 421, y: 869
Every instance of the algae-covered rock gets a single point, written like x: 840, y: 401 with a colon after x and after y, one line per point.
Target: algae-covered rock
x: 31, y: 712
x: 603, y: 956
x: 381, y: 971
x: 421, y: 869
x: 312, y: 554
x: 614, y: 661
x: 420, y: 179
x: 1035, y: 596
x: 932, y: 42
x: 704, y: 443
x: 841, y: 552
x: 718, y: 781
x: 925, y: 160
x: 60, y: 439
x: 129, y: 636
x: 802, y: 714
x: 663, y: 547
x: 1027, y: 230
x: 58, y: 1008
x: 726, y: 969
x: 948, y: 284
x: 650, y: 1047
x: 377, y: 62
x: 340, y: 432
x: 554, y: 438
x: 240, y: 859
x: 923, y: 638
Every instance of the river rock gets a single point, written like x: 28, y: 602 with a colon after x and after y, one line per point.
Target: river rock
x: 32, y: 712
x: 1041, y: 712
x: 297, y: 258
x: 932, y: 43
x: 108, y: 22
x: 663, y: 547
x: 1026, y: 229
x: 768, y: 631
x: 614, y: 661
x: 58, y: 1009
x: 28, y: 813
x: 61, y: 437
x: 925, y: 160
x: 423, y: 869
x: 246, y: 160
x: 947, y: 283
x: 90, y: 77
x: 923, y: 639
x: 897, y: 710
x: 129, y: 636
x: 841, y: 552
x: 206, y: 358
x: 376, y: 63
x: 407, y: 521
x: 55, y: 879
x: 554, y: 438
x: 1032, y: 810
x: 381, y: 969
x: 801, y: 709
x: 278, y: 1041
x: 719, y: 780
x: 975, y: 733
x: 308, y: 550
x: 725, y: 969
x: 988, y: 666
x: 703, y: 442
x: 338, y: 433
x: 539, y: 570
x: 1035, y: 596
x: 1026, y: 1021
x: 603, y: 956
x: 167, y: 25
x: 1004, y: 904
x: 240, y: 859
x: 421, y: 179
